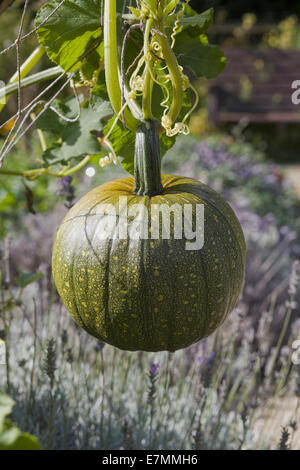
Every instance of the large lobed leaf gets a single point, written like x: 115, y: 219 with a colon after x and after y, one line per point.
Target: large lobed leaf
x: 69, y: 30
x: 194, y: 52
x: 73, y: 30
x: 75, y: 139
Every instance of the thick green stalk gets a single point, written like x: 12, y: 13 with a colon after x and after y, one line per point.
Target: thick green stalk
x: 29, y: 63
x: 25, y: 68
x: 147, y: 178
x: 111, y: 63
x: 48, y: 74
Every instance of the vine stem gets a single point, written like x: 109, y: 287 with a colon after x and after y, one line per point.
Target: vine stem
x: 40, y: 134
x: 175, y: 73
x: 33, y: 174
x: 25, y: 68
x: 111, y: 63
x: 148, y: 87
x: 47, y: 74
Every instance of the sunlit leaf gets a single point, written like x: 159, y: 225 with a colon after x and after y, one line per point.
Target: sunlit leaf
x: 75, y: 139
x: 195, y: 53
x: 200, y: 22
x: 69, y: 30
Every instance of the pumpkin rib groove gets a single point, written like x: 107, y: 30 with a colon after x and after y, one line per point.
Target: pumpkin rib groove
x: 107, y: 313
x: 147, y: 317
x: 214, y: 208
x: 76, y: 313
x: 203, y: 323
x: 185, y: 198
x: 211, y: 203
x: 148, y: 328
x: 143, y: 335
x: 75, y: 296
x: 230, y: 285
x: 90, y: 242
x: 105, y: 266
x: 226, y: 221
x: 241, y: 260
x: 205, y: 319
x: 172, y: 323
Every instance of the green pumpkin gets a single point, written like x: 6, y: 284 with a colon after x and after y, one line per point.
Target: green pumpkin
x: 149, y: 294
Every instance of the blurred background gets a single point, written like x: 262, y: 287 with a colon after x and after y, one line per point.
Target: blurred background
x: 241, y: 385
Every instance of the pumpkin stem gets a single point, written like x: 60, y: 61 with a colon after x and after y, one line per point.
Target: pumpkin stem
x: 147, y: 179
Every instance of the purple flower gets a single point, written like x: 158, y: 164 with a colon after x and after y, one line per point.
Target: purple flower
x: 66, y: 189
x: 210, y: 357
x: 153, y: 368
x: 63, y: 185
x: 99, y: 346
x: 207, y: 359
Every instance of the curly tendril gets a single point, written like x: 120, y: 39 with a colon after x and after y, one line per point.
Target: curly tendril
x: 111, y: 157
x: 176, y: 25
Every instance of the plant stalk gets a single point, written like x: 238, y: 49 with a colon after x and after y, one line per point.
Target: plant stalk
x: 33, y: 174
x: 25, y: 68
x: 111, y: 63
x: 47, y: 74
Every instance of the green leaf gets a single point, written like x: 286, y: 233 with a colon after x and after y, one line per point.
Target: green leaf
x: 75, y: 139
x: 196, y: 54
x: 166, y: 143
x: 49, y: 121
x: 24, y: 279
x: 8, y: 201
x: 11, y: 438
x: 99, y: 92
x: 199, y: 22
x: 92, y: 61
x: 67, y: 33
x: 123, y: 142
x: 6, y: 405
x: 135, y: 11
x: 122, y: 7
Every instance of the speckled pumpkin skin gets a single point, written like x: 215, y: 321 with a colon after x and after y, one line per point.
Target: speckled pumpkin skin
x: 149, y: 295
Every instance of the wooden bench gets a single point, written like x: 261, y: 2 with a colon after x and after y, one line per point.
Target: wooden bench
x: 256, y: 85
